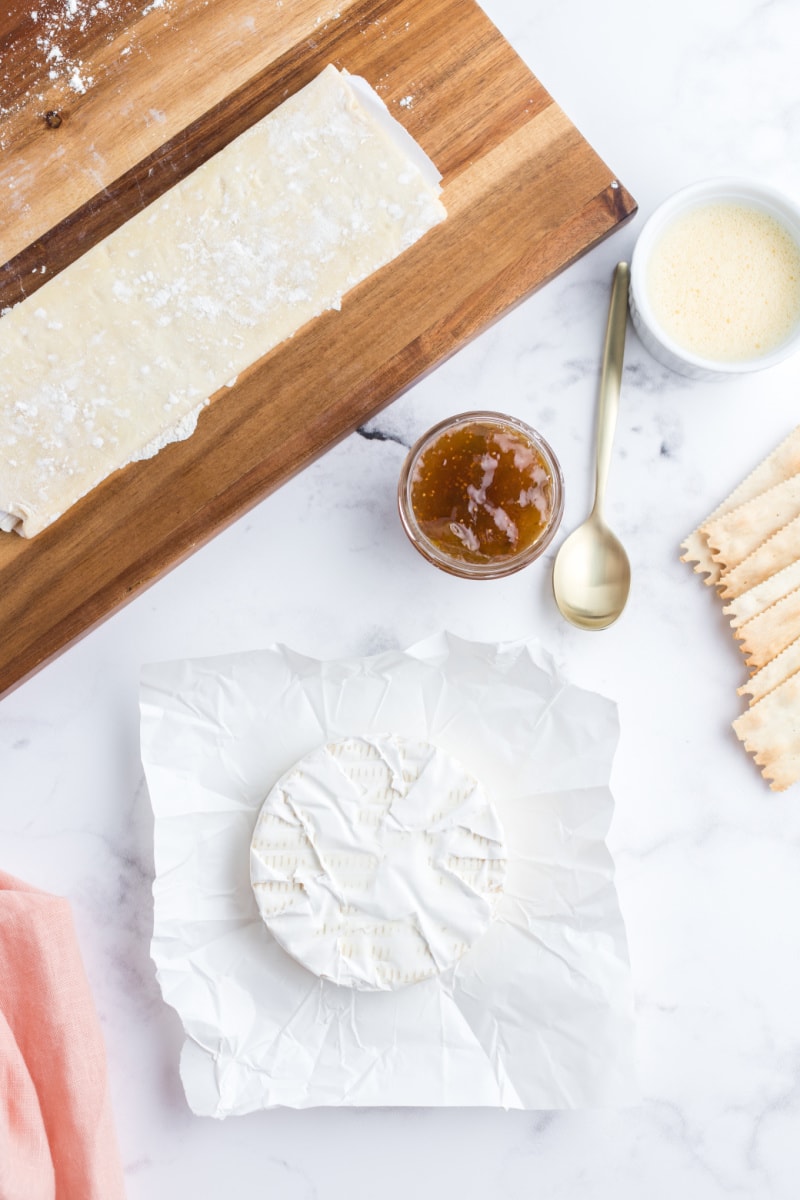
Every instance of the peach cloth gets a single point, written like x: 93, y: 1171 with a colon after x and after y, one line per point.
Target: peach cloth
x: 57, y: 1138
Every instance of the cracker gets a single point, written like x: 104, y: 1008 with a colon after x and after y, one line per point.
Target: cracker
x: 763, y: 595
x: 772, y: 556
x: 774, y: 673
x: 770, y: 731
x: 732, y: 537
x: 783, y: 462
x: 765, y: 636
x: 697, y: 551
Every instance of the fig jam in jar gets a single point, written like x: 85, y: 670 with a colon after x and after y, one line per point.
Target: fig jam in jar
x: 481, y: 495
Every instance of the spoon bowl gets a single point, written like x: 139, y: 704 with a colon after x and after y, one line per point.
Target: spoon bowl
x: 592, y: 574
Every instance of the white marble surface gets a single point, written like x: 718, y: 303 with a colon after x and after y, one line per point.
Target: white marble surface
x: 708, y: 859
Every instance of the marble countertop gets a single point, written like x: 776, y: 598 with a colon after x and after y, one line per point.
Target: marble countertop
x: 708, y: 859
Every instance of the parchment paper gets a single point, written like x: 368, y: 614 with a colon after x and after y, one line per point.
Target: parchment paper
x: 537, y: 1015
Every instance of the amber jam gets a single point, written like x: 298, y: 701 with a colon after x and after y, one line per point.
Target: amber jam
x: 481, y: 495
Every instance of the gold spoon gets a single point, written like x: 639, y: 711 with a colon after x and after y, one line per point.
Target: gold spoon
x: 592, y: 574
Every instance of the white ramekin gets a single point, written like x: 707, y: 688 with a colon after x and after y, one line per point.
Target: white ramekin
x: 656, y: 340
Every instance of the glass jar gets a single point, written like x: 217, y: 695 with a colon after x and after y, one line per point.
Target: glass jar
x: 481, y: 495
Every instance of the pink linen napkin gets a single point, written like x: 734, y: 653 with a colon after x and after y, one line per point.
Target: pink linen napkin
x: 57, y: 1139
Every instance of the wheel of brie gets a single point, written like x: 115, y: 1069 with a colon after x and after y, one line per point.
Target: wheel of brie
x: 377, y: 862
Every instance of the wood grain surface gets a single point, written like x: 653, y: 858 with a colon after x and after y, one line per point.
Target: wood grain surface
x: 141, y: 95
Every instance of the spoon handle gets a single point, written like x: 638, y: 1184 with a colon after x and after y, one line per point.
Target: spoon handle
x: 611, y: 379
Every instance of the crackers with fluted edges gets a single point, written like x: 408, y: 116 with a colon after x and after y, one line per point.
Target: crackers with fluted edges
x: 772, y: 556
x: 749, y: 548
x: 783, y: 462
x: 770, y: 731
x: 734, y: 536
x: 778, y: 669
x: 754, y: 601
x: 766, y: 635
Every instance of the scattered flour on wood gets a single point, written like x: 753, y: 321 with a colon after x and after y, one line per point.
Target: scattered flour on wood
x: 60, y: 31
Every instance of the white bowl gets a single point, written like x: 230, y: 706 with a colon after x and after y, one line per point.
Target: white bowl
x: 660, y: 344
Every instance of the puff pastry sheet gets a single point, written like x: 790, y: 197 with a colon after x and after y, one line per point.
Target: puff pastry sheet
x: 118, y: 354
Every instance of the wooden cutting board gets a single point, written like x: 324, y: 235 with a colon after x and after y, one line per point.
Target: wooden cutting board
x: 103, y: 109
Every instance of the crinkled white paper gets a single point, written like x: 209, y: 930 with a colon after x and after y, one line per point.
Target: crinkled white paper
x: 537, y: 1014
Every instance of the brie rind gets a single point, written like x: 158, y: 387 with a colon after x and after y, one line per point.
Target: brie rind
x: 377, y: 862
